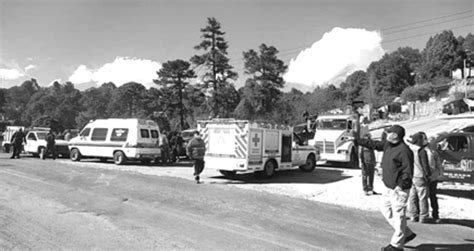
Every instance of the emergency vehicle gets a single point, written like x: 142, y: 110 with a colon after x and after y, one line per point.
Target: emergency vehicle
x: 117, y: 139
x: 244, y: 146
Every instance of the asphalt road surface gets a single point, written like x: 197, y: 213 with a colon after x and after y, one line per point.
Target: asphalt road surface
x: 46, y: 204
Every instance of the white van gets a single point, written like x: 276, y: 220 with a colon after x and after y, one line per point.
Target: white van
x: 120, y: 139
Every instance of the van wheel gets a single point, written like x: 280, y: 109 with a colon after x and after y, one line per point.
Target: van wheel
x: 75, y: 155
x: 310, y: 164
x: 354, y: 161
x: 227, y: 173
x: 119, y: 158
x: 269, y: 169
x: 462, y: 110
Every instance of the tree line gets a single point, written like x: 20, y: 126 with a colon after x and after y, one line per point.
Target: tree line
x: 176, y: 104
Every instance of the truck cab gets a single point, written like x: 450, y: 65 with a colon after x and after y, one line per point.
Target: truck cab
x: 331, y: 137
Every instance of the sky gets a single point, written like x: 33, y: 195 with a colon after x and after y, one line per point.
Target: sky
x: 89, y: 42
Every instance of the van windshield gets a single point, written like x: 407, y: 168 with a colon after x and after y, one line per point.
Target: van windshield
x: 332, y: 124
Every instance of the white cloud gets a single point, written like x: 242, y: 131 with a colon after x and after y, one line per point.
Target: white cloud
x: 30, y: 67
x: 339, y: 53
x: 10, y: 74
x: 121, y: 71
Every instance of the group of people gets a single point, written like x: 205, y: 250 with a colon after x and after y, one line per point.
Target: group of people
x: 18, y: 139
x: 410, y: 174
x: 172, y: 145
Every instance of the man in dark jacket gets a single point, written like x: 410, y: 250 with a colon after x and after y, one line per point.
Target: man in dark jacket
x: 50, y: 145
x: 397, y: 168
x: 17, y: 143
x: 196, y: 149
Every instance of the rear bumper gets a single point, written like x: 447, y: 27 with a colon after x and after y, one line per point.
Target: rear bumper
x: 227, y: 164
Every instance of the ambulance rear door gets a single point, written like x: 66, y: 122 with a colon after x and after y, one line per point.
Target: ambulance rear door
x: 255, y: 146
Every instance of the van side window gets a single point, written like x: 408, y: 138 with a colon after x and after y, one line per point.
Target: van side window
x: 144, y: 133
x: 85, y: 132
x: 154, y: 134
x: 99, y: 134
x: 119, y: 134
x: 31, y: 136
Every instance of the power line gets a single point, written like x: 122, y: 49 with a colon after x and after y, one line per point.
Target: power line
x: 426, y: 25
x: 424, y: 34
x: 427, y: 20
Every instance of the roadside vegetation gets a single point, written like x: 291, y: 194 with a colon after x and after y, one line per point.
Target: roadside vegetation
x: 204, y: 86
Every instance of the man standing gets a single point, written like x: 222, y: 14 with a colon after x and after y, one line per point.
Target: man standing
x: 397, y: 166
x: 17, y: 143
x: 418, y: 199
x: 196, y: 149
x: 50, y: 145
x: 435, y: 164
x: 367, y: 165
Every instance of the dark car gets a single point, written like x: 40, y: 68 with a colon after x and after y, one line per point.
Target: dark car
x: 456, y: 107
x: 180, y: 152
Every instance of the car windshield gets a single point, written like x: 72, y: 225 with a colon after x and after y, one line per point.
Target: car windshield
x: 332, y: 124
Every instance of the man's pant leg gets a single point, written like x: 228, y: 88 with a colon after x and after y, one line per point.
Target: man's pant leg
x: 364, y: 178
x: 423, y: 200
x: 370, y: 175
x: 393, y: 209
x: 413, y: 210
x: 433, y: 191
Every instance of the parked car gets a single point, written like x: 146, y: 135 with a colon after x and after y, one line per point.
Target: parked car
x: 456, y: 107
x: 456, y: 149
x: 36, y: 143
x: 180, y: 152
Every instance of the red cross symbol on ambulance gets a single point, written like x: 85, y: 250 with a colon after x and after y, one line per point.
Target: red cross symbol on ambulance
x: 256, y: 140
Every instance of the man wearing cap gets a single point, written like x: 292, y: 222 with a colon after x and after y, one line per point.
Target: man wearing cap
x: 397, y: 174
x: 418, y: 208
x: 196, y: 149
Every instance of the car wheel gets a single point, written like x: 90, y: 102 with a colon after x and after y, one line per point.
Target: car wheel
x: 75, y: 155
x: 269, y: 169
x: 119, y: 158
x: 310, y: 164
x: 462, y: 110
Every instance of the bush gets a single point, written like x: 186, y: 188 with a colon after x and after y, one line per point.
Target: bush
x: 420, y: 92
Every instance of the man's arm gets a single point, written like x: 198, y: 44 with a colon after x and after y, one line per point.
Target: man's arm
x: 371, y: 144
x: 424, y: 162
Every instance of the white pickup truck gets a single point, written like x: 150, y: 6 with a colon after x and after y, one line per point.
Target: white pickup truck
x: 36, y: 144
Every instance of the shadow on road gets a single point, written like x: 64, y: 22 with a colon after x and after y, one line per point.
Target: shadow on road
x: 467, y: 194
x: 434, y: 246
x: 318, y: 176
x: 465, y: 223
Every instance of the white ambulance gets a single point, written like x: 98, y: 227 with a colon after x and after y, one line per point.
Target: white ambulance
x: 243, y: 146
x: 117, y: 139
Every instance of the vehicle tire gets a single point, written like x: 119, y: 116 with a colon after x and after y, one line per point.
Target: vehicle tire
x: 6, y: 149
x: 119, y: 158
x: 354, y: 161
x: 41, y: 152
x: 227, y: 173
x: 75, y: 155
x: 145, y: 161
x: 462, y: 110
x: 310, y: 164
x: 269, y: 169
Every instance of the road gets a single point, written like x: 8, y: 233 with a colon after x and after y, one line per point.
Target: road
x: 46, y: 204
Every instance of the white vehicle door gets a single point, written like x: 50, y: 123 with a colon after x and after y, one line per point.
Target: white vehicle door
x: 31, y: 143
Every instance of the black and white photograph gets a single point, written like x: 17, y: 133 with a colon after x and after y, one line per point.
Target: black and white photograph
x: 237, y: 125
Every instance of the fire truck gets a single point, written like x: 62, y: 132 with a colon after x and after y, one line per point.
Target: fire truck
x: 243, y: 146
